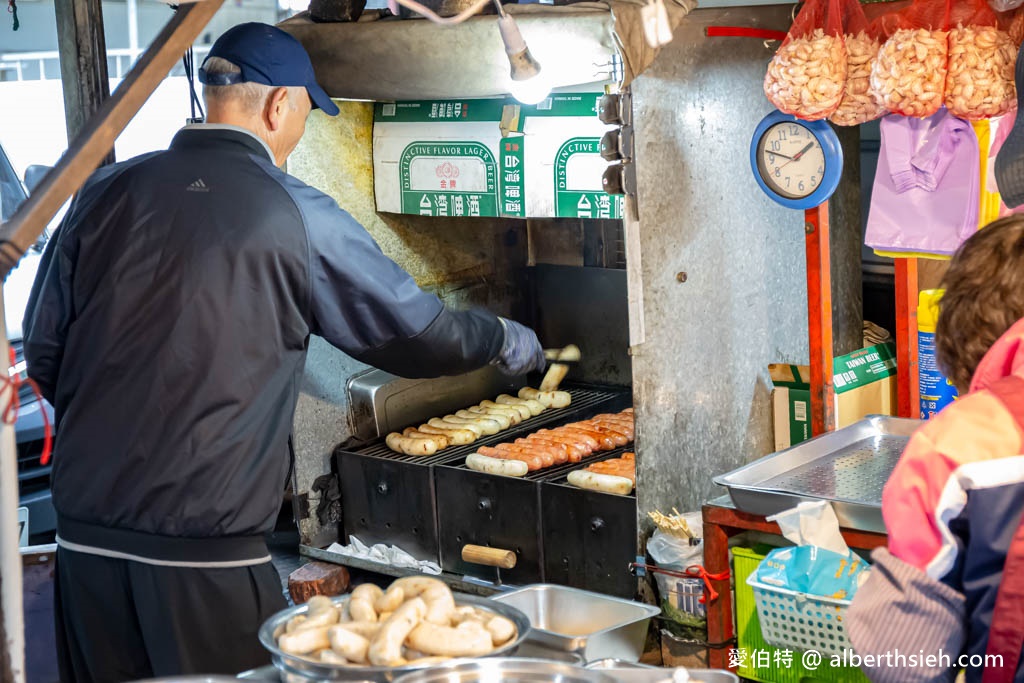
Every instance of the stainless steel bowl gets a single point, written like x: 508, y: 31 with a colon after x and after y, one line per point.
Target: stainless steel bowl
x: 295, y: 668
x: 508, y: 670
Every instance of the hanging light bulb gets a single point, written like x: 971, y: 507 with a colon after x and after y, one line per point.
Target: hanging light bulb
x: 529, y: 86
x: 531, y: 91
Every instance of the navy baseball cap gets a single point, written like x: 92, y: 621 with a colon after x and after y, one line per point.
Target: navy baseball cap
x: 267, y: 55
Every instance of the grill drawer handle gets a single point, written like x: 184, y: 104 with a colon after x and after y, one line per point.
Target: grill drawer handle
x: 490, y: 557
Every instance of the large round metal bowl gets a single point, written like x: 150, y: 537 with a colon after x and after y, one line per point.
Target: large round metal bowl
x: 295, y: 668
x: 505, y: 670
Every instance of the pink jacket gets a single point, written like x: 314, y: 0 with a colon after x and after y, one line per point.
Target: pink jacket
x: 951, y: 507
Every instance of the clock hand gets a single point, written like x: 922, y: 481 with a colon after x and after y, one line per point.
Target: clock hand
x: 803, y: 151
x: 776, y: 154
x: 797, y: 156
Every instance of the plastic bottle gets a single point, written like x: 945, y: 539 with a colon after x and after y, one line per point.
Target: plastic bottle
x: 936, y: 391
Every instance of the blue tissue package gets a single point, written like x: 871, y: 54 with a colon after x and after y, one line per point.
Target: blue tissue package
x: 812, y: 570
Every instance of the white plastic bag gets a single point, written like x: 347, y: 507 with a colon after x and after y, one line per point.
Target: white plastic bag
x: 675, y: 553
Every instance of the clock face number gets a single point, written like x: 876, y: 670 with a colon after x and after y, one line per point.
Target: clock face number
x: 791, y: 160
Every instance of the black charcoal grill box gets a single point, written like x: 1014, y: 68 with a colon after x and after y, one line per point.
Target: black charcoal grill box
x: 589, y: 537
x: 390, y: 498
x: 474, y: 508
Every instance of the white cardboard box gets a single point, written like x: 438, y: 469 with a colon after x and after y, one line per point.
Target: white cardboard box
x: 450, y: 158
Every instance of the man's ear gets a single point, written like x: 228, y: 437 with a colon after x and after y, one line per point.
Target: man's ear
x: 275, y: 108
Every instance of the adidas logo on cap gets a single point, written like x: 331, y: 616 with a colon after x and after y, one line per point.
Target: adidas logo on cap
x: 198, y: 186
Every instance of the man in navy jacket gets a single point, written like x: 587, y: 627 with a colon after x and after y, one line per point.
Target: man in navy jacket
x: 168, y: 326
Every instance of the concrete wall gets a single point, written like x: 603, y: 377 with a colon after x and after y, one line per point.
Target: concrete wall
x: 465, y: 261
x: 701, y: 383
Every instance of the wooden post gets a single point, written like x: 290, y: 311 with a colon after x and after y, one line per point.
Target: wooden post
x: 719, y: 614
x: 97, y: 138
x: 83, y: 62
x: 6, y: 670
x: 819, y: 318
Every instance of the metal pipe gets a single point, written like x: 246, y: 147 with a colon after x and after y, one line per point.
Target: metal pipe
x: 133, y: 27
x: 10, y: 553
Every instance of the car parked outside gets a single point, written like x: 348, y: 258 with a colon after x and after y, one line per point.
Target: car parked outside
x: 33, y: 476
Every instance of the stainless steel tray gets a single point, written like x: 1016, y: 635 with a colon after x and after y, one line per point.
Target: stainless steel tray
x: 585, y: 623
x: 848, y: 467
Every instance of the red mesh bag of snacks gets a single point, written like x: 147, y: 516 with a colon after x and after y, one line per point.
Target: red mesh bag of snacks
x: 807, y: 74
x: 982, y: 55
x: 862, y: 41
x: 909, y: 75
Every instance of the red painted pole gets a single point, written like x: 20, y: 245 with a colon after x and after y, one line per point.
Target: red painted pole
x: 819, y: 318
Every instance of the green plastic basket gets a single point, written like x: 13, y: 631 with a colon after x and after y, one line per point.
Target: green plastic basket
x: 750, y: 640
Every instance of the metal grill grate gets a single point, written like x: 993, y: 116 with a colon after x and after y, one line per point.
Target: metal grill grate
x: 855, y: 474
x: 584, y: 400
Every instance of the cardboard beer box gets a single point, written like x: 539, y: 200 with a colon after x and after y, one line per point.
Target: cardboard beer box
x: 864, y: 382
x: 791, y: 404
x: 492, y: 157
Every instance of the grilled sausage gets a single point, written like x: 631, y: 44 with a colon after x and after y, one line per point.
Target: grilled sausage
x: 524, y: 411
x: 545, y: 453
x: 535, y: 407
x: 532, y: 461
x: 503, y: 421
x: 457, y: 437
x: 414, y: 445
x: 601, y: 482
x: 505, y: 468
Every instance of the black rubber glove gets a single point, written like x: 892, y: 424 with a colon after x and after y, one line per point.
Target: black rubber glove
x: 521, y: 351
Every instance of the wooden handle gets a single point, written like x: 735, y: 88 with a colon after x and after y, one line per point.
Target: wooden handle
x: 491, y: 557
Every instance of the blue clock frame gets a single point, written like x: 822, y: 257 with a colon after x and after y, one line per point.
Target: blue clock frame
x: 830, y: 146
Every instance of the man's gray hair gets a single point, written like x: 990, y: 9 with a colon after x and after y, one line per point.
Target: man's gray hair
x: 251, y: 96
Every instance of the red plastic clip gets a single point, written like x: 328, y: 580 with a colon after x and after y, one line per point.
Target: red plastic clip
x: 698, y: 572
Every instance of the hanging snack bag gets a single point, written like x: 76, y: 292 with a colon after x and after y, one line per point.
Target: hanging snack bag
x: 909, y: 76
x: 806, y: 76
x: 979, y: 80
x: 1013, y: 23
x: 859, y: 104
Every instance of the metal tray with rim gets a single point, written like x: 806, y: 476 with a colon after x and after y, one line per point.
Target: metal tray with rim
x: 294, y: 668
x: 848, y: 467
x: 590, y: 624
